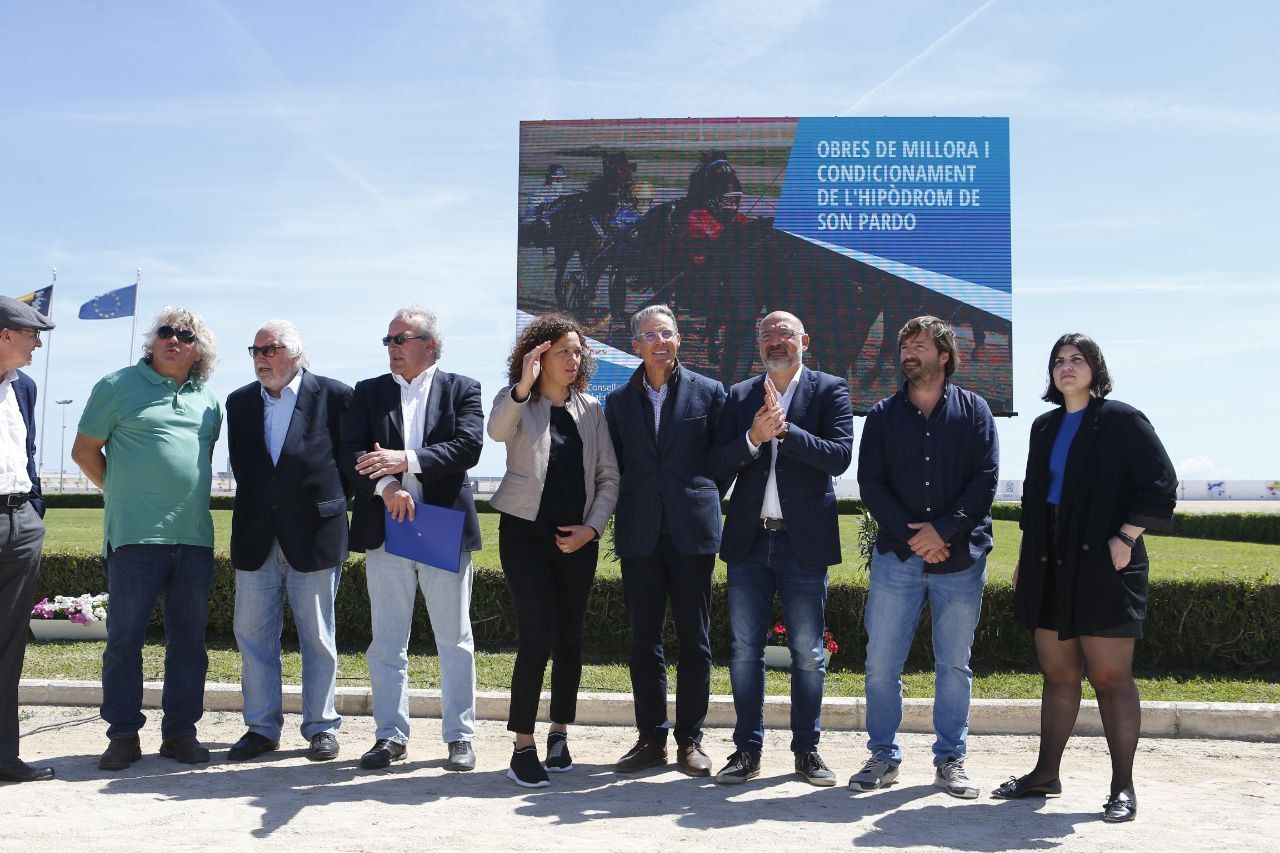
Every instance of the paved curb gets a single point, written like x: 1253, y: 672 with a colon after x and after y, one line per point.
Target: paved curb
x: 1225, y: 720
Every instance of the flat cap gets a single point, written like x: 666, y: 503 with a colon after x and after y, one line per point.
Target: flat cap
x: 20, y: 315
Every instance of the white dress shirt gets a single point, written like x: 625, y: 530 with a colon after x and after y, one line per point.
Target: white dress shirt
x: 771, y: 507
x: 277, y: 412
x: 413, y: 413
x: 13, y: 441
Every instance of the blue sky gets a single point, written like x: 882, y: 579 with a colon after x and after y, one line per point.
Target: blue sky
x: 330, y: 162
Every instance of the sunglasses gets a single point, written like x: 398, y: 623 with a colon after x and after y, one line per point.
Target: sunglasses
x: 269, y: 351
x: 654, y: 337
x: 399, y: 340
x: 186, y: 336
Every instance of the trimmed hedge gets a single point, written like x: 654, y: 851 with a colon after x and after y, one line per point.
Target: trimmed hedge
x: 1213, y: 626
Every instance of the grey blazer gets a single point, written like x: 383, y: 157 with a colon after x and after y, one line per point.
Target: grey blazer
x: 525, y: 429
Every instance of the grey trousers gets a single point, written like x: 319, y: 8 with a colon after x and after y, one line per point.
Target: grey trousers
x: 21, y: 535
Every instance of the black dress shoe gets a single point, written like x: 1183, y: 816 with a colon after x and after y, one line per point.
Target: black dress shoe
x: 642, y: 756
x: 382, y: 754
x: 121, y: 752
x: 1121, y: 807
x: 1017, y: 788
x: 185, y: 749
x: 324, y: 747
x: 251, y: 746
x: 17, y: 770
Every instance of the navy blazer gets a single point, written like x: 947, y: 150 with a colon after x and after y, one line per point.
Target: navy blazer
x: 666, y: 481
x: 24, y: 391
x: 818, y: 446
x: 301, y: 500
x: 452, y: 440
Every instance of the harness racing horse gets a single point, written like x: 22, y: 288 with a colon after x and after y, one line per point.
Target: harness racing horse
x: 579, y: 225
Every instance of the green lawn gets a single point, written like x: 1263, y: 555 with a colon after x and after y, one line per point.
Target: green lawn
x: 1174, y: 558
x: 83, y: 660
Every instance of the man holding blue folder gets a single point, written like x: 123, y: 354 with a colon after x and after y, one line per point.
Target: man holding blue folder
x: 409, y: 438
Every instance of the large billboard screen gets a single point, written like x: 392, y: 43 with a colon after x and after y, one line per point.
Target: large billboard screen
x: 854, y: 225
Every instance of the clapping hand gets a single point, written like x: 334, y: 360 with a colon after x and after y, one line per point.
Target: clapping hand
x: 771, y: 420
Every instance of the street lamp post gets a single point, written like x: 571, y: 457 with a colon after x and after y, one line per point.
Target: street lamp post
x: 62, y: 457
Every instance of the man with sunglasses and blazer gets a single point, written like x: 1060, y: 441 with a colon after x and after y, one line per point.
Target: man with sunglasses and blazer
x: 409, y: 437
x: 666, y: 533
x: 288, y: 536
x: 146, y: 439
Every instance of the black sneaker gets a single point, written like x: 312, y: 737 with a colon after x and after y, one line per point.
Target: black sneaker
x: 741, y: 767
x: 525, y: 770
x: 558, y: 758
x: 814, y: 770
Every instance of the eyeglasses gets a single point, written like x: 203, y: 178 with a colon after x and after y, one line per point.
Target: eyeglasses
x: 186, y: 336
x: 269, y: 351
x: 35, y: 333
x: 399, y: 340
x: 652, y: 337
x: 782, y: 334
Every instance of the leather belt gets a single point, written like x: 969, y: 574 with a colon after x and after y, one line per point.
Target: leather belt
x: 15, y: 499
x: 774, y: 524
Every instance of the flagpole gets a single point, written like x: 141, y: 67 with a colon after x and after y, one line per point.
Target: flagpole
x: 133, y: 327
x: 48, y: 354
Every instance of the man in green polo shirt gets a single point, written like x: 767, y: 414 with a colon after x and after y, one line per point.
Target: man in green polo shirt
x: 146, y: 439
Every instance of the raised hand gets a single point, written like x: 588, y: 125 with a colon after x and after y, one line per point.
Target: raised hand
x: 530, y: 370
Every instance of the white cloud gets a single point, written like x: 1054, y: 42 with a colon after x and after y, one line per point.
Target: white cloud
x: 1201, y: 468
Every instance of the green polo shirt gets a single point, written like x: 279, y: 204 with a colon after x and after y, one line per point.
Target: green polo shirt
x: 159, y: 465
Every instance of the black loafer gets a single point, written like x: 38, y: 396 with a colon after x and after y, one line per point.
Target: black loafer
x: 120, y: 753
x: 324, y: 747
x: 17, y: 770
x: 382, y: 754
x: 1017, y: 788
x: 1121, y: 807
x: 251, y: 746
x: 185, y: 749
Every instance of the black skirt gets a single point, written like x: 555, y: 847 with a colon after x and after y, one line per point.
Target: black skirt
x: 1132, y: 629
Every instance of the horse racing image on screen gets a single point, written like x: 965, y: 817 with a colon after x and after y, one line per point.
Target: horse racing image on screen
x: 854, y: 225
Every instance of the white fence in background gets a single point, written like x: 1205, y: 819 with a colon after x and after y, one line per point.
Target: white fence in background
x: 846, y: 487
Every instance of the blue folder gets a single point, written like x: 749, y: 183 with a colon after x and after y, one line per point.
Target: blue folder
x: 433, y: 538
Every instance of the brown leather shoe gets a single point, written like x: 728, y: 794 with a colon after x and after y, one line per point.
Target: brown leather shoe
x: 691, y: 760
x: 642, y: 756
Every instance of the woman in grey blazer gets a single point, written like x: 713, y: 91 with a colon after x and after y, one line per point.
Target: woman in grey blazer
x: 559, y: 489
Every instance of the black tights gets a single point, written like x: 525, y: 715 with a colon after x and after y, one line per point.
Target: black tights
x: 1109, y: 664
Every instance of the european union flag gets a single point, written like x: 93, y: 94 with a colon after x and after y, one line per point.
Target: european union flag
x: 40, y: 299
x: 115, y: 303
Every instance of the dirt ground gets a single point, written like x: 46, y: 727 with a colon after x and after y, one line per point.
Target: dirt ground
x: 1193, y: 795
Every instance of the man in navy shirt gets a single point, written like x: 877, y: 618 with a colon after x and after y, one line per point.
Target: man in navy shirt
x: 927, y: 469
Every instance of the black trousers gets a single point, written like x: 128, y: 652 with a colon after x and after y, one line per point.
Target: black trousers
x: 549, y: 590
x: 21, y: 535
x: 647, y: 584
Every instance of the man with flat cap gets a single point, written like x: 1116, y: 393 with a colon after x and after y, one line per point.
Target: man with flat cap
x: 21, y: 520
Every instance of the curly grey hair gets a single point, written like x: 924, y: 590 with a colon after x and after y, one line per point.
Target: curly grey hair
x: 206, y: 343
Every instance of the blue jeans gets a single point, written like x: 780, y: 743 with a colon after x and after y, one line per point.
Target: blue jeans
x: 393, y: 586
x: 259, y: 619
x: 898, y: 593
x: 136, y: 576
x: 772, y: 566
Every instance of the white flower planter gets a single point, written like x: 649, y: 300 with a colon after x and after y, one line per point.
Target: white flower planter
x: 779, y: 657
x: 65, y: 629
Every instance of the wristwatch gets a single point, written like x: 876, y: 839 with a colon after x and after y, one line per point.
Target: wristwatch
x: 1126, y: 538
x: 786, y: 429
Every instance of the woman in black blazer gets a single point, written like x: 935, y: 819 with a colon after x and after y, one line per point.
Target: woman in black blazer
x: 1097, y: 478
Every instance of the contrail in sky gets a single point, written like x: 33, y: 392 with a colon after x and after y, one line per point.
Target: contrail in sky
x: 922, y: 55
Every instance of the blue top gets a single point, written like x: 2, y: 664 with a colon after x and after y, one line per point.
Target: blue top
x: 1058, y: 456
x: 941, y: 469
